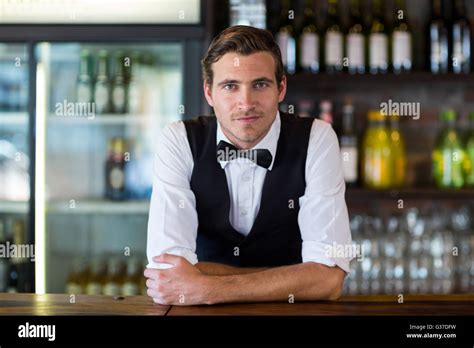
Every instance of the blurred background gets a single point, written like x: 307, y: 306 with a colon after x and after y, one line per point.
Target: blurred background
x: 86, y: 86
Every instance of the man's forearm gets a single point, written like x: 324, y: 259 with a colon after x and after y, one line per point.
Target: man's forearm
x: 305, y: 281
x: 219, y: 269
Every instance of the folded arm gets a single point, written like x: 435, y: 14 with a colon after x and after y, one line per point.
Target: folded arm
x: 220, y: 269
x: 185, y: 284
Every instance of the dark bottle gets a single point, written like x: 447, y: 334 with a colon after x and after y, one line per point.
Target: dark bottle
x: 438, y: 36
x: 356, y: 41
x: 402, y: 57
x: 17, y: 274
x: 84, y: 82
x: 102, y: 84
x: 115, y: 169
x: 378, y: 40
x: 333, y: 40
x: 349, y: 146
x: 285, y: 37
x: 309, y: 41
x: 461, y: 40
x: 119, y: 86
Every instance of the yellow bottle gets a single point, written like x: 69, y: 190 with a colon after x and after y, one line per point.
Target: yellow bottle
x: 399, y: 157
x: 77, y: 280
x: 114, y: 279
x: 95, y: 283
x: 377, y: 153
x: 132, y: 281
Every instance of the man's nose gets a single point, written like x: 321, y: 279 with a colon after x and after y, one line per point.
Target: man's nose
x: 247, y: 99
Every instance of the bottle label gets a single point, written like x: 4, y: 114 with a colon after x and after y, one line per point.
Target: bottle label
x: 84, y: 93
x: 378, y: 51
x: 333, y: 48
x: 355, y: 49
x: 130, y: 289
x: 117, y: 178
x: 133, y: 98
x: 458, y: 56
x: 101, y: 97
x: 118, y: 96
x: 309, y: 50
x: 349, y: 163
x: 401, y: 48
x: 94, y: 289
x: 112, y: 289
x: 435, y: 52
x: 73, y: 288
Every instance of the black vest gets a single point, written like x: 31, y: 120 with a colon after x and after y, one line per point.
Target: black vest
x: 275, y: 238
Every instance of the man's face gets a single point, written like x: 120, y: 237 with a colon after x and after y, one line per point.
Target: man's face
x: 245, y: 96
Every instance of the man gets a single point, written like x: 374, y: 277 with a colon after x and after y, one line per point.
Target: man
x: 241, y: 226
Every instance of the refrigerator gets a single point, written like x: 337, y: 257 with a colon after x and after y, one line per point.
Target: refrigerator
x: 15, y: 165
x: 94, y: 92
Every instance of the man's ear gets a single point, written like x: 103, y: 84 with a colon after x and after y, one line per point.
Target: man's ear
x: 282, y: 89
x: 208, y: 93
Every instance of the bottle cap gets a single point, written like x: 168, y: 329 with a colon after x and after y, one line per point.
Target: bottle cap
x: 375, y: 115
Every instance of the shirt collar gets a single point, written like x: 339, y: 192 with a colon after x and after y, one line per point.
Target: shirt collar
x: 269, y: 141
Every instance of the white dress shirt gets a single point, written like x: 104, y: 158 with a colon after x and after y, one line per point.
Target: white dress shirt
x: 323, y: 219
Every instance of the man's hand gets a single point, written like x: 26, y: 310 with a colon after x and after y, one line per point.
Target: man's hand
x: 183, y: 284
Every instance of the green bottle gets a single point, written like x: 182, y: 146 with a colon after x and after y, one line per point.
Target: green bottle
x: 119, y: 85
x: 448, y: 155
x: 469, y: 159
x: 84, y: 81
x: 102, y: 84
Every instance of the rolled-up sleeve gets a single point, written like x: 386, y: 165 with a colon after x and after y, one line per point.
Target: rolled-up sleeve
x: 323, y: 216
x: 172, y: 221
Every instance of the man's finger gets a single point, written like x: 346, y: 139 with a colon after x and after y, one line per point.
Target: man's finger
x: 151, y: 273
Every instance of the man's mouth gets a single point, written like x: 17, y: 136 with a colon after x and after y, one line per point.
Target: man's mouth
x: 248, y: 119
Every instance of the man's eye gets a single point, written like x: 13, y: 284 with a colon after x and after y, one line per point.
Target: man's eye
x: 261, y: 85
x: 229, y: 86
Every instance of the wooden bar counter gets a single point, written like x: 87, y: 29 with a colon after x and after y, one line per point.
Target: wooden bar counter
x: 379, y: 305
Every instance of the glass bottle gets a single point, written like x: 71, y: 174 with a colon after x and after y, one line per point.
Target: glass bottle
x: 356, y: 41
x: 309, y: 41
x: 469, y: 159
x: 438, y: 36
x: 398, y: 151
x: 401, y: 40
x: 376, y: 153
x: 102, y: 84
x: 461, y: 39
x: 448, y: 154
x: 378, y: 41
x: 333, y: 40
x: 85, y: 80
x: 285, y: 37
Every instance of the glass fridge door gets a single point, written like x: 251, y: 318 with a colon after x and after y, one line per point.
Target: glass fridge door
x: 16, y: 250
x: 99, y: 108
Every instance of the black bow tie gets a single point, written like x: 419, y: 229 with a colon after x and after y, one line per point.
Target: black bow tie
x: 228, y: 152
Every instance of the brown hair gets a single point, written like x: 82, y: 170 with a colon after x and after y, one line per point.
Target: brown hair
x: 243, y: 40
